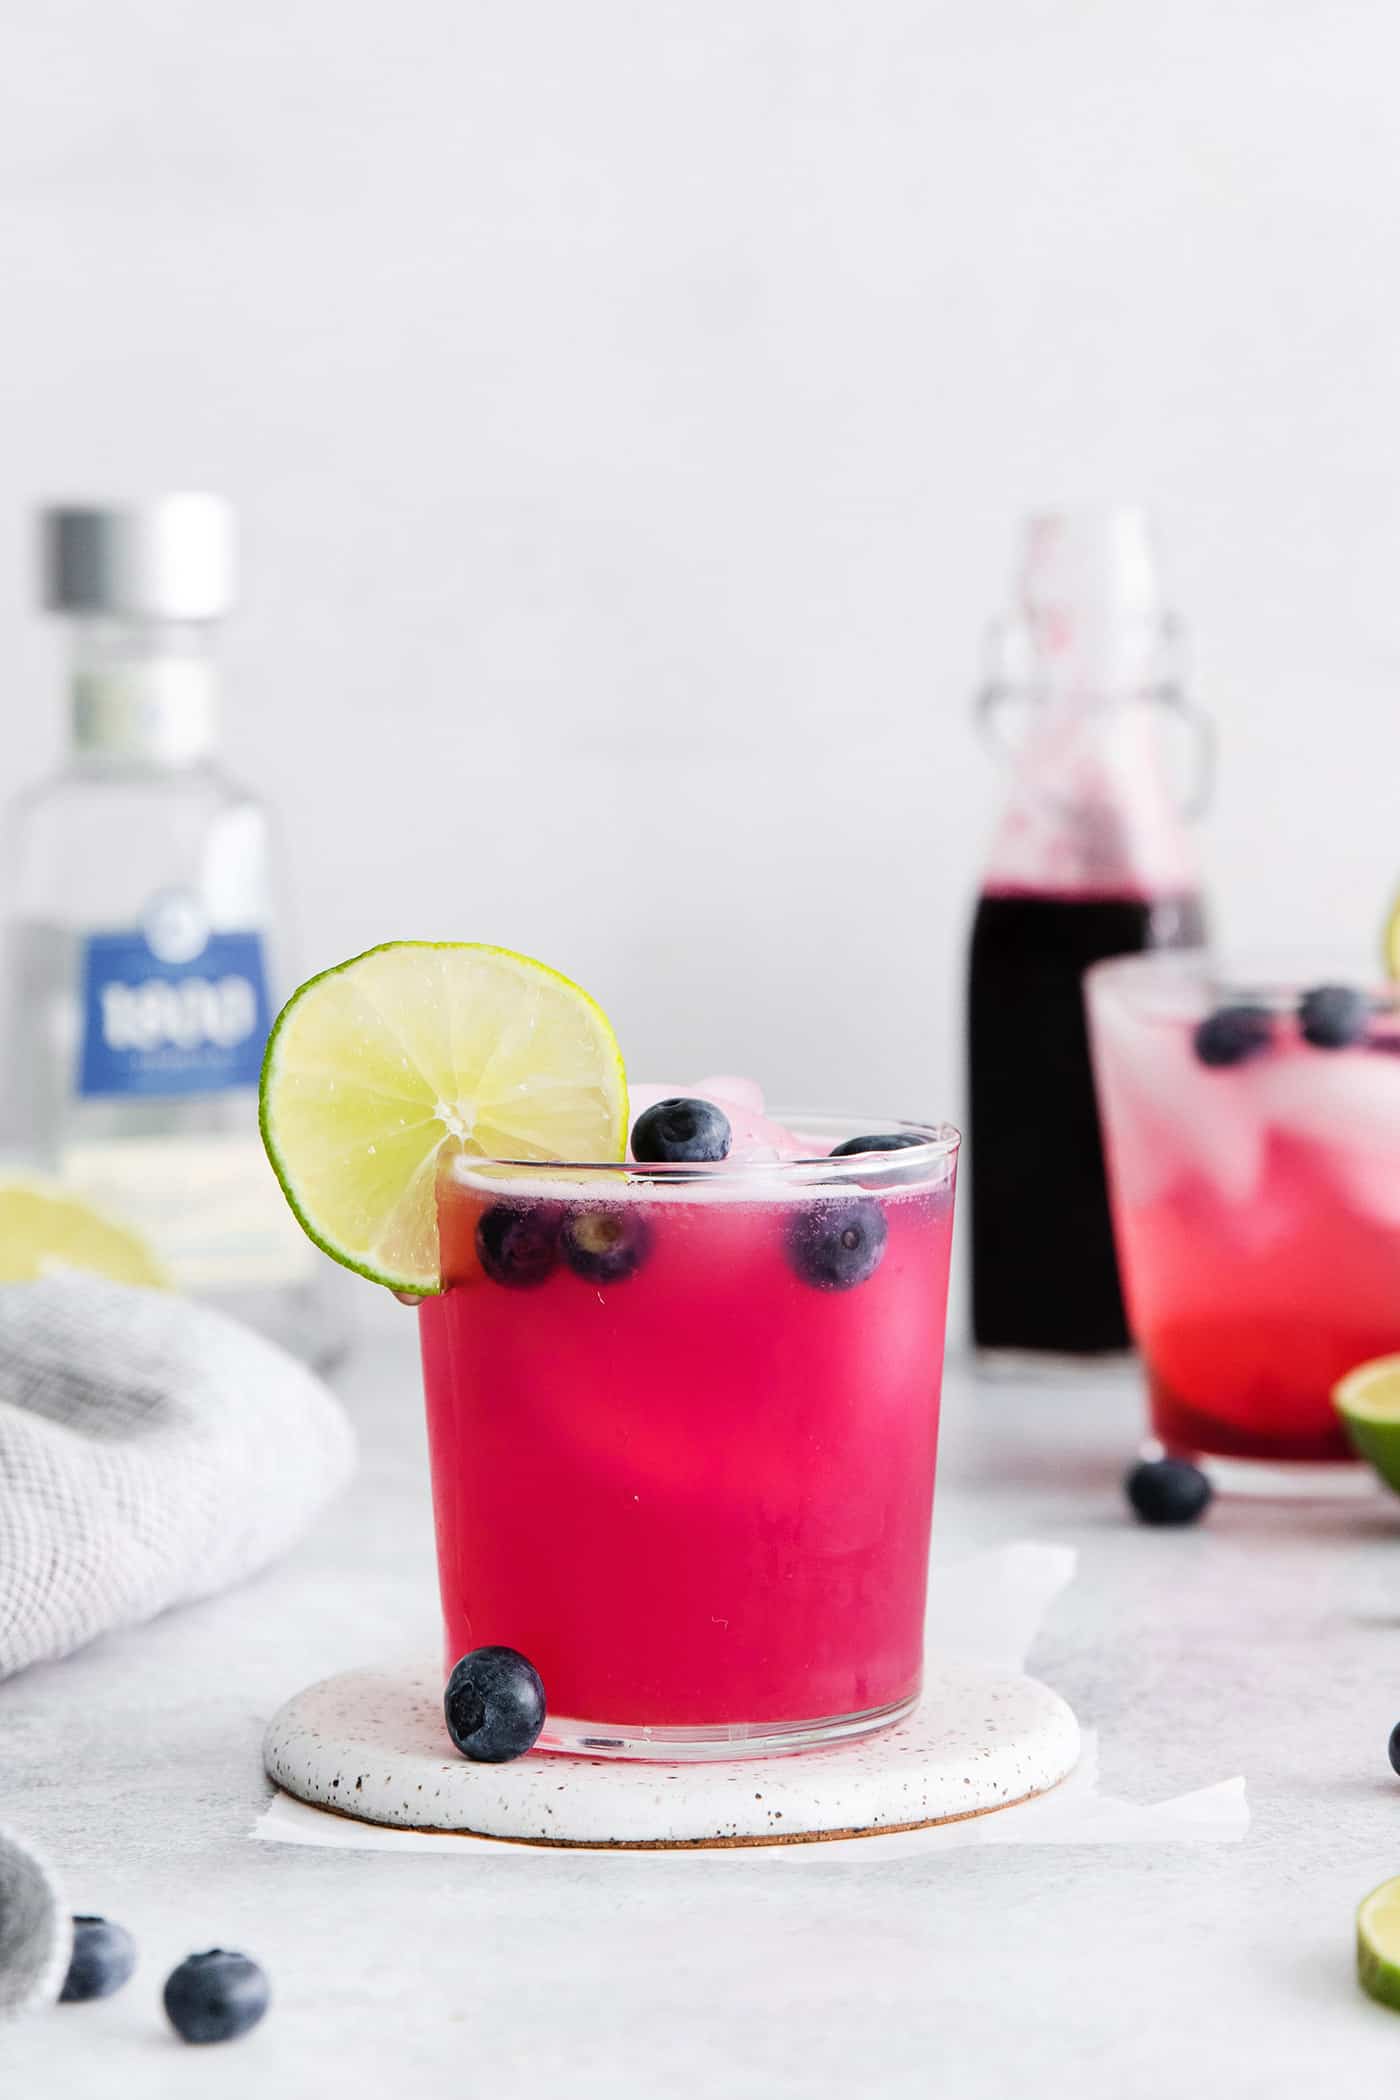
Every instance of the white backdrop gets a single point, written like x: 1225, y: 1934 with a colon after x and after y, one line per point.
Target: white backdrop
x: 629, y: 406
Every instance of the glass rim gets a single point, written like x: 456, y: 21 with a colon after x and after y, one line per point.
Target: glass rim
x: 935, y: 1144
x: 1246, y: 977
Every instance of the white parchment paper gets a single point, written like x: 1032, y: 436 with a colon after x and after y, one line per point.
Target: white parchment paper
x: 988, y: 1609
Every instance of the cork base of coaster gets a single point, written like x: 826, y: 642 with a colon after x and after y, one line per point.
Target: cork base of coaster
x: 371, y: 1744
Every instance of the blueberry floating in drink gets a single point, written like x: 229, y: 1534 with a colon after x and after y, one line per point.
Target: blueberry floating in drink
x: 1168, y: 1491
x: 1232, y: 1035
x: 681, y: 1128
x: 883, y: 1141
x: 104, y: 1956
x: 839, y: 1244
x: 215, y: 1997
x: 518, y: 1243
x: 1333, y: 1016
x: 605, y: 1244
x: 494, y: 1705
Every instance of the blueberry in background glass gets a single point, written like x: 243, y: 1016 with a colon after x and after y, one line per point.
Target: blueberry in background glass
x: 494, y: 1705
x: 1333, y: 1016
x: 518, y: 1243
x: 104, y: 1956
x: 1232, y: 1035
x: 215, y: 1997
x: 681, y: 1128
x: 605, y: 1245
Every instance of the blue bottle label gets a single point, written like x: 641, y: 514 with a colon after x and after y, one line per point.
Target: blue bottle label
x: 172, y: 1008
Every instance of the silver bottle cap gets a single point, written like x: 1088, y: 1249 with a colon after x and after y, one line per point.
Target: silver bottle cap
x: 173, y: 558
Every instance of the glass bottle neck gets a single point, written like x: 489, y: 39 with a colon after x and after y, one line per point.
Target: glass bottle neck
x: 141, y: 693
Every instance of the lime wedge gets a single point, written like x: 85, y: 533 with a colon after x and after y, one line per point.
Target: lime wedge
x: 374, y: 1067
x: 44, y: 1229
x: 1378, y: 1943
x: 1368, y: 1401
x: 1392, y: 941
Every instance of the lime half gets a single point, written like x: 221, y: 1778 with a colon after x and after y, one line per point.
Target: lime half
x: 1368, y: 1401
x: 374, y: 1067
x: 1378, y: 1943
x: 44, y: 1229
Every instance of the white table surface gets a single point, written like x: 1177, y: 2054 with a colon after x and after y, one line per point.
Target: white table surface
x: 1266, y: 1642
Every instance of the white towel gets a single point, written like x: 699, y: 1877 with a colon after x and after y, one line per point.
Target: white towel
x: 151, y: 1451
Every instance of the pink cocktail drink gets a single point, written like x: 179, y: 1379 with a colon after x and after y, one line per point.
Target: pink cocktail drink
x: 682, y: 1425
x: 1255, y: 1176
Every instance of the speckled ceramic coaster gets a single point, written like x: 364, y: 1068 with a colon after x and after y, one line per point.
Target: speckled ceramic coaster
x: 372, y: 1744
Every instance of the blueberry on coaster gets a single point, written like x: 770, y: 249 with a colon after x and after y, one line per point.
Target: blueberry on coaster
x: 681, y: 1128
x: 104, y: 1956
x: 1333, y: 1016
x: 215, y: 1997
x: 838, y: 1245
x: 605, y: 1246
x: 518, y: 1243
x: 494, y: 1705
x: 1232, y: 1034
x: 883, y: 1141
x: 1168, y: 1491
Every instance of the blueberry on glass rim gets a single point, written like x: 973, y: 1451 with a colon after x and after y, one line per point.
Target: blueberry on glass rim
x: 681, y: 1128
x: 1333, y: 1016
x: 839, y: 1244
x: 517, y: 1244
x: 1168, y: 1491
x: 215, y: 1997
x: 881, y: 1141
x: 104, y: 1956
x: 603, y: 1244
x: 1233, y: 1034
x: 494, y: 1705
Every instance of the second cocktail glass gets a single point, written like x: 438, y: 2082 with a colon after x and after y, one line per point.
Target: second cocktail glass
x: 1252, y: 1127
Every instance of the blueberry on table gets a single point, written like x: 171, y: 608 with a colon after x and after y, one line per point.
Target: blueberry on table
x: 604, y: 1245
x: 215, y: 1997
x: 681, y: 1128
x: 1233, y: 1034
x: 1395, y: 1748
x: 837, y: 1245
x: 882, y: 1141
x: 1333, y: 1016
x: 494, y: 1704
x: 1168, y: 1491
x: 104, y: 1956
x: 518, y: 1243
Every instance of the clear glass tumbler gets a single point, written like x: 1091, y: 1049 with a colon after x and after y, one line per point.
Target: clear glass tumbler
x: 1252, y: 1128
x: 682, y: 1425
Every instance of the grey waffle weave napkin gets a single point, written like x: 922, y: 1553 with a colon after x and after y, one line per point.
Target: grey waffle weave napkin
x: 151, y: 1451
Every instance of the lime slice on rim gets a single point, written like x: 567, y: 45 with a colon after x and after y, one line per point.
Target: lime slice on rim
x: 375, y: 1066
x: 1378, y: 1943
x: 45, y: 1229
x: 1368, y: 1401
